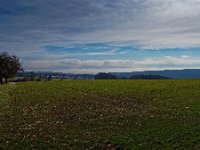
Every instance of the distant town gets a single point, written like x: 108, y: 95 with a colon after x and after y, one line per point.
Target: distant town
x: 165, y: 74
x: 53, y: 75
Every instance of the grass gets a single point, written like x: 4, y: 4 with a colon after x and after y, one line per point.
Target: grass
x: 120, y: 114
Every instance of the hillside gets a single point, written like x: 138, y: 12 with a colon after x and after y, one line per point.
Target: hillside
x: 175, y: 74
x: 148, y: 77
x: 123, y: 114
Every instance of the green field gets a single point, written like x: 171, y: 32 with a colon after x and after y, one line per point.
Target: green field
x: 120, y: 114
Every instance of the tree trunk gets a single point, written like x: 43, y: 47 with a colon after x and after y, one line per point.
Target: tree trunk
x: 1, y: 80
x: 6, y: 80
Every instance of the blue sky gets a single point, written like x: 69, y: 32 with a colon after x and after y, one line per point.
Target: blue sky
x: 89, y: 36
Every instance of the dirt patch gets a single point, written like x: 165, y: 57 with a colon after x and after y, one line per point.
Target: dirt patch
x: 105, y: 146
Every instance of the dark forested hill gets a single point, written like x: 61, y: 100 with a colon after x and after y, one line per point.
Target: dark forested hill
x: 176, y: 74
x: 148, y: 77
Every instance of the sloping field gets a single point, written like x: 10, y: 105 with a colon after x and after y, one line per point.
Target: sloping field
x: 100, y: 115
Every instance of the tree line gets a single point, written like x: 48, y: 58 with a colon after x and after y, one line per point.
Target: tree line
x: 100, y: 76
x: 9, y: 66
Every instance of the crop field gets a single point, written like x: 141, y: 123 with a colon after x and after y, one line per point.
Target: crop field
x: 117, y: 114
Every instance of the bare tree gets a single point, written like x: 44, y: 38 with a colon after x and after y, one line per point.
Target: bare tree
x: 9, y: 66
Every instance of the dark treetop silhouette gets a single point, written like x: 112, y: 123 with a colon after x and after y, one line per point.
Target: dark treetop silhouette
x: 9, y: 66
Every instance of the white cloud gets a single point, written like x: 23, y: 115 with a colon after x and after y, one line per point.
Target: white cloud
x: 157, y: 24
x: 111, y: 52
x: 185, y: 56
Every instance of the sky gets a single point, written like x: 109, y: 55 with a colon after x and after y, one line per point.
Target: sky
x: 91, y: 36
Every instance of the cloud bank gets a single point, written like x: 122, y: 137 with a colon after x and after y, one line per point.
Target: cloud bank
x: 95, y: 66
